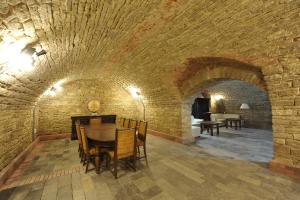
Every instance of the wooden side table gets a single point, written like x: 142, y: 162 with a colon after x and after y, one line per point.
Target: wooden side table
x: 209, y: 125
x: 237, y: 123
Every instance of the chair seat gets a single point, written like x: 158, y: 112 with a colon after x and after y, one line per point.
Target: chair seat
x: 140, y: 142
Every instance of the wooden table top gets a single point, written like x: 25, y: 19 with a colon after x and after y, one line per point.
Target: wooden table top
x: 210, y: 122
x: 233, y: 119
x: 103, y: 133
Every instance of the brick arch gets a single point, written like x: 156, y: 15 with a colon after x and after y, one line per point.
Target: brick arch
x: 198, y: 71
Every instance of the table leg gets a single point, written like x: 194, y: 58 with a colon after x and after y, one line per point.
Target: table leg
x: 240, y: 122
x: 218, y: 130
x: 201, y: 128
x: 230, y: 124
x: 211, y: 130
x: 98, y: 160
x: 226, y: 123
x: 235, y: 125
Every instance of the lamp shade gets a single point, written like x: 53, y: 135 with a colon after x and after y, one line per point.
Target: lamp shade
x: 245, y: 106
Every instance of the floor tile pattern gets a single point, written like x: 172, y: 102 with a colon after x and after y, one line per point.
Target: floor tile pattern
x: 175, y: 171
x: 243, y: 144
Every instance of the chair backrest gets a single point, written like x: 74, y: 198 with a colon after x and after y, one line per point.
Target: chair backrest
x: 121, y: 121
x: 126, y: 123
x: 142, y: 130
x: 85, y: 144
x: 95, y: 121
x: 132, y: 123
x: 77, y: 124
x: 125, y: 143
x: 118, y: 121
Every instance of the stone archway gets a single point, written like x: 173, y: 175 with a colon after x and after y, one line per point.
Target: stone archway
x: 205, y: 70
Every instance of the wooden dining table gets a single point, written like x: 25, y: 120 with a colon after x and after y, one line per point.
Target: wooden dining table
x: 100, y: 137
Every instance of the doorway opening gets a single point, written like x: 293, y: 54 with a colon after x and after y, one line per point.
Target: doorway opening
x: 221, y: 100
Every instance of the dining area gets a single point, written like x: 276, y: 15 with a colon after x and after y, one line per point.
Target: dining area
x: 111, y: 146
x: 85, y: 168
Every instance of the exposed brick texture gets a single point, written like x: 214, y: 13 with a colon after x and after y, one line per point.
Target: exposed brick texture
x: 15, y: 132
x: 55, y: 112
x: 166, y: 48
x: 237, y: 92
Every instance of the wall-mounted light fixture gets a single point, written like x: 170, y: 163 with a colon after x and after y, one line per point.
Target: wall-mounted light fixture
x: 52, y: 91
x: 18, y: 56
x: 136, y: 94
x: 218, y: 97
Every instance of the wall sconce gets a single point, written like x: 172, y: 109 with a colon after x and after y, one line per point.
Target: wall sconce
x: 31, y: 52
x: 245, y: 106
x: 136, y: 94
x: 218, y: 97
x: 19, y: 57
x: 52, y: 91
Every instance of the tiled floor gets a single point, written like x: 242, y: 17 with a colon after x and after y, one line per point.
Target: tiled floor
x: 243, y: 144
x: 175, y: 171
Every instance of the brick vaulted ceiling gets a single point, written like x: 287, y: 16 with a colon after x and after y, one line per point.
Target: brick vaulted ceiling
x: 141, y: 42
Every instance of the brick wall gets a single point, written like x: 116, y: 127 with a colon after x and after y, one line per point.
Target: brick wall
x: 55, y: 112
x: 15, y: 131
x: 283, y: 86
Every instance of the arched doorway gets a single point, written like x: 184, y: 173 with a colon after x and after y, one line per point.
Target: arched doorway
x: 202, y: 74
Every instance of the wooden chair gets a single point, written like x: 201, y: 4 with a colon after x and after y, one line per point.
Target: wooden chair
x: 89, y: 153
x: 126, y: 123
x: 133, y: 124
x: 141, y: 139
x: 125, y: 149
x: 80, y: 148
x: 96, y: 121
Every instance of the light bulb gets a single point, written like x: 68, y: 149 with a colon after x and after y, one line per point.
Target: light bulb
x: 218, y: 97
x: 21, y: 62
x: 135, y: 92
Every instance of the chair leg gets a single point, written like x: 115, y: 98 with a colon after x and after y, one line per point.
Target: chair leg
x: 84, y: 159
x: 116, y: 168
x: 81, y: 154
x: 138, y: 150
x: 87, y: 164
x: 145, y: 154
x: 134, y: 162
x: 108, y: 160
